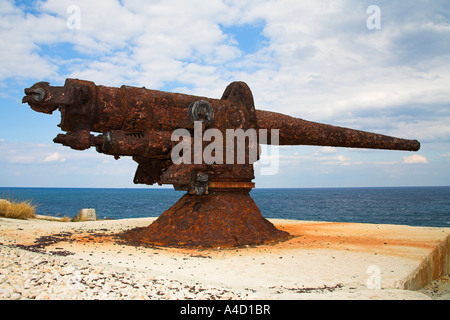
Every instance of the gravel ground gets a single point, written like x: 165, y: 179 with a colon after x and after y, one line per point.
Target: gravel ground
x: 28, y: 275
x: 54, y: 260
x: 438, y: 289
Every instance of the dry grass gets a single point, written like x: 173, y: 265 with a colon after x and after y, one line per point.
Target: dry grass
x: 17, y: 210
x: 79, y: 217
x: 53, y: 218
x: 65, y: 219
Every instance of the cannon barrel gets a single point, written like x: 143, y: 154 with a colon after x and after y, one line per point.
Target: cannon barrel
x: 144, y: 119
x: 296, y: 131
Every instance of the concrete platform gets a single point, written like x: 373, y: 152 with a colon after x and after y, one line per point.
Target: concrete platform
x: 324, y: 260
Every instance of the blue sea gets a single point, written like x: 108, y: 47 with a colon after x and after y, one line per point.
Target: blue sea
x: 415, y: 206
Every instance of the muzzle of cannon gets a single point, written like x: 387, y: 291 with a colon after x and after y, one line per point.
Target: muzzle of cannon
x: 206, y: 147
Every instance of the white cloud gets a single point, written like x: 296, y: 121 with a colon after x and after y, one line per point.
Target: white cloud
x: 287, y: 159
x: 20, y: 56
x: 142, y: 43
x: 318, y: 60
x: 55, y: 165
x: 386, y: 163
x: 326, y: 150
x: 331, y: 68
x: 138, y: 43
x: 39, y: 154
x: 54, y: 157
x: 415, y: 158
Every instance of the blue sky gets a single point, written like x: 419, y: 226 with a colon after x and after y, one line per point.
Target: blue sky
x: 316, y: 60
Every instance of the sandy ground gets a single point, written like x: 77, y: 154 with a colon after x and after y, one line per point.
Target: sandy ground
x: 323, y: 260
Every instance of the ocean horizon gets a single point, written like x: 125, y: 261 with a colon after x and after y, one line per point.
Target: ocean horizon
x: 414, y: 206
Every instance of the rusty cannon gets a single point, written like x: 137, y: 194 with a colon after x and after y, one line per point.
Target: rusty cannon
x: 205, y: 147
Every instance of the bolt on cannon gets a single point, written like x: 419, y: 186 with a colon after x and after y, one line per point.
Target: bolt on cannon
x: 147, y: 125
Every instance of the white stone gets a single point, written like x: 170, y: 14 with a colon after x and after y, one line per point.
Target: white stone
x: 88, y: 215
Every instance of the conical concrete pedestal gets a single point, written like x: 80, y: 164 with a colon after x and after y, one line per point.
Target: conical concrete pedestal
x: 219, y: 219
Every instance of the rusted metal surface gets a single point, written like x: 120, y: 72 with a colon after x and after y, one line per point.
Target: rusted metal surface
x: 220, y: 219
x: 217, y: 208
x: 295, y: 131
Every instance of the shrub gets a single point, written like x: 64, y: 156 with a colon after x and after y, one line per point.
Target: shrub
x: 79, y: 217
x: 3, y: 205
x: 17, y: 210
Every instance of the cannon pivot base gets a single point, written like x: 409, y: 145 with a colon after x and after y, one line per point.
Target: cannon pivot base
x: 218, y: 219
